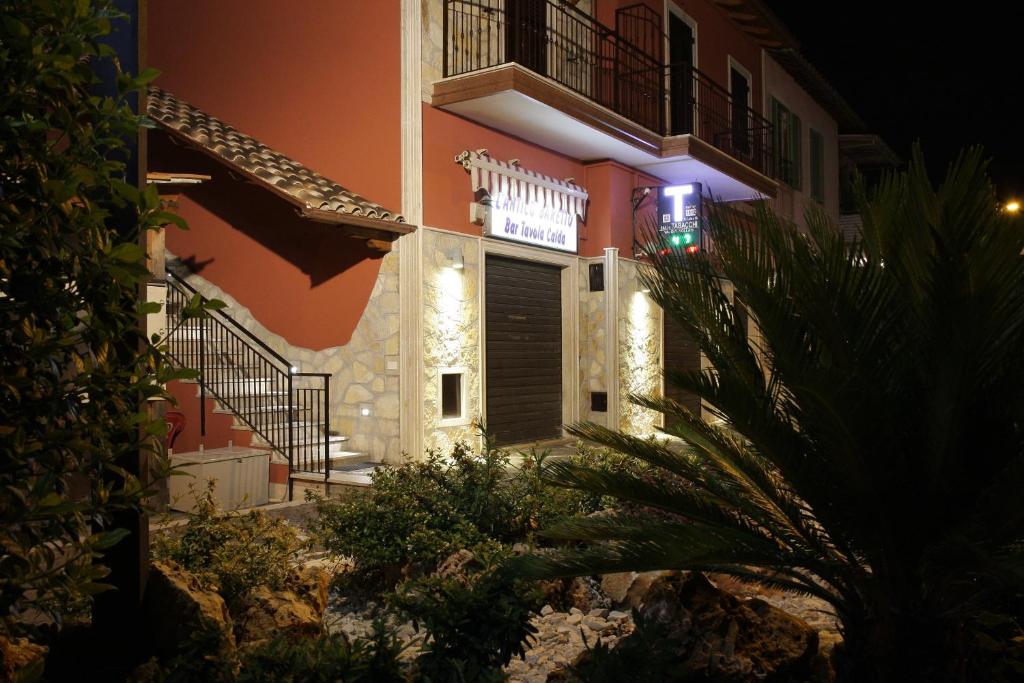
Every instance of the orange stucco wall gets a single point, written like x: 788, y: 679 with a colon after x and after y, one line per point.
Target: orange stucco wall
x: 717, y: 38
x: 321, y: 85
x: 447, y: 193
x: 446, y: 186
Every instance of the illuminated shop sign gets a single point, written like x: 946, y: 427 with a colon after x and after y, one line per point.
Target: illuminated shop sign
x: 517, y: 204
x: 531, y: 222
x: 679, y: 214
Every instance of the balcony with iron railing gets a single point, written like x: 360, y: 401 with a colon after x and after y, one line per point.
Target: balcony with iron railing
x: 545, y: 71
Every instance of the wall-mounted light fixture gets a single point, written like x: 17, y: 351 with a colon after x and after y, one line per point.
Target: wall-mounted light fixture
x: 364, y: 409
x: 455, y: 259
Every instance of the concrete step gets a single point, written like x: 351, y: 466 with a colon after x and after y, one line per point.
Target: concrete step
x: 337, y: 460
x: 350, y: 474
x: 261, y: 410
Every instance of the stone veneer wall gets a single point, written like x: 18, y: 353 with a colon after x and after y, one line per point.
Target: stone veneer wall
x: 451, y: 332
x: 639, y: 351
x: 359, y: 374
x: 593, y: 345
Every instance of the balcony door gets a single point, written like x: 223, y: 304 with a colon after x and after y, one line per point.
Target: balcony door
x: 526, y: 34
x: 739, y: 88
x: 680, y: 56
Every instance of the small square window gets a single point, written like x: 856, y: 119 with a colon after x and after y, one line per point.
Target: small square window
x: 453, y: 397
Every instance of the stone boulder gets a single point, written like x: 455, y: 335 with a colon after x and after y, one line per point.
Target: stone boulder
x: 629, y: 589
x: 18, y: 655
x: 179, y: 609
x: 581, y: 593
x: 297, y: 611
x: 705, y: 634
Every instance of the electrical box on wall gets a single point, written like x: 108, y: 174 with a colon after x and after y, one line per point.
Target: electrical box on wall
x: 599, y: 401
x: 596, y: 277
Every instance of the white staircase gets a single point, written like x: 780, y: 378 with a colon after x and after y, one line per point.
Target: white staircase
x: 286, y: 411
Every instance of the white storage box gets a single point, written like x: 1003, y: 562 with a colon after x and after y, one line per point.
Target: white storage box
x: 242, y: 477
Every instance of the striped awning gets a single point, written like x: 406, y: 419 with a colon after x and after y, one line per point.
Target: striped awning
x: 490, y: 177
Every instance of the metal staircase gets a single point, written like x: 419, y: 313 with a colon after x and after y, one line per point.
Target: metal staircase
x: 287, y: 411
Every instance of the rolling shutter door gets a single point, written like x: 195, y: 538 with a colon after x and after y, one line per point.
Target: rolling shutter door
x: 524, y: 350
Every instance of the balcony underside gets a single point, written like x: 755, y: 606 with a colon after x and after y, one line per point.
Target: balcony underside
x: 517, y: 101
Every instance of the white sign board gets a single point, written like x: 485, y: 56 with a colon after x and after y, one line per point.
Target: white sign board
x: 531, y: 222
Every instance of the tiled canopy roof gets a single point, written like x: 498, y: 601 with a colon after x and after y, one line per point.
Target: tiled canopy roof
x: 316, y: 196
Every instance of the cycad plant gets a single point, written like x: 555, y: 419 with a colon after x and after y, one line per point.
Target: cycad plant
x: 868, y: 446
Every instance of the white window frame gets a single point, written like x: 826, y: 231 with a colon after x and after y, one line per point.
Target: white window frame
x: 673, y: 8
x: 733, y: 63
x: 462, y: 419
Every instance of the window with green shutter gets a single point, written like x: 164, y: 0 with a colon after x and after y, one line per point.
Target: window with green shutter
x: 788, y: 150
x: 796, y: 152
x: 817, y: 166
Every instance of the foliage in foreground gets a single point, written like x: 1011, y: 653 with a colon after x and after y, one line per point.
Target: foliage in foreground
x: 326, y: 659
x: 74, y: 366
x: 475, y: 620
x: 418, y: 514
x: 872, y: 451
x: 231, y: 553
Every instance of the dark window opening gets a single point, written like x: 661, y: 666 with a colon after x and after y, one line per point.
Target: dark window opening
x: 451, y: 395
x: 740, y: 91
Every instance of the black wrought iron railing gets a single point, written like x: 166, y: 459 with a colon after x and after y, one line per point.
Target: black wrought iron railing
x: 558, y: 41
x: 699, y: 106
x: 570, y: 47
x: 287, y: 409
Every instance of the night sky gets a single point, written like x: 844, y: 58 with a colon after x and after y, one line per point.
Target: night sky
x: 948, y: 79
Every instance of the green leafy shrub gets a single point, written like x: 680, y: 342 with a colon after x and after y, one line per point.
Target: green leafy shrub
x: 476, y: 618
x: 419, y: 513
x: 327, y: 659
x: 405, y: 524
x: 75, y: 367
x: 232, y: 553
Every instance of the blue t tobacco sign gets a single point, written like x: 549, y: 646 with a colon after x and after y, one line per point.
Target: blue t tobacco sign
x: 679, y: 211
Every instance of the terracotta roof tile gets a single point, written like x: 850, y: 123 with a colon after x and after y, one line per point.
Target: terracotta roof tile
x: 251, y: 157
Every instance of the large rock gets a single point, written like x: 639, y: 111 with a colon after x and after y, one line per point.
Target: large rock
x: 706, y: 634
x: 18, y: 655
x: 264, y: 614
x: 297, y: 611
x: 180, y: 609
x: 629, y: 589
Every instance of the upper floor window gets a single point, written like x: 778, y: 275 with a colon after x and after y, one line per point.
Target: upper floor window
x: 817, y: 150
x: 739, y: 94
x: 788, y: 148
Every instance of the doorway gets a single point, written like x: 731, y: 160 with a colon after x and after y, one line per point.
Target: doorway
x: 523, y: 333
x: 681, y: 58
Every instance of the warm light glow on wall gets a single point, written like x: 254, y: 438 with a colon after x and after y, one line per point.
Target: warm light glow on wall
x: 641, y: 370
x: 1012, y: 206
x: 450, y: 309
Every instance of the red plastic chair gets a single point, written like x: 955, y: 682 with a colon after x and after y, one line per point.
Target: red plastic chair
x: 175, y: 425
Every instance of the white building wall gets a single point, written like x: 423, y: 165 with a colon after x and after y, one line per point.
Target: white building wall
x: 782, y: 86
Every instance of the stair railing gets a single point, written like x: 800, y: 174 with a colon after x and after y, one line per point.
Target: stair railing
x: 289, y: 410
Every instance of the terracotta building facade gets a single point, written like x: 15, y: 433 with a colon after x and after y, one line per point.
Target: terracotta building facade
x: 425, y: 212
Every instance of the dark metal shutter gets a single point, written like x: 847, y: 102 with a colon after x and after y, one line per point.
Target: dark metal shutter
x: 524, y: 350
x: 682, y: 353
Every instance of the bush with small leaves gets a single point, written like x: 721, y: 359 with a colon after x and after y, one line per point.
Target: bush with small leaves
x: 232, y: 553
x: 475, y: 619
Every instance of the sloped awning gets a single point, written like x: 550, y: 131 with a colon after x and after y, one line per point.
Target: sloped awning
x: 314, y: 196
x: 490, y: 176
